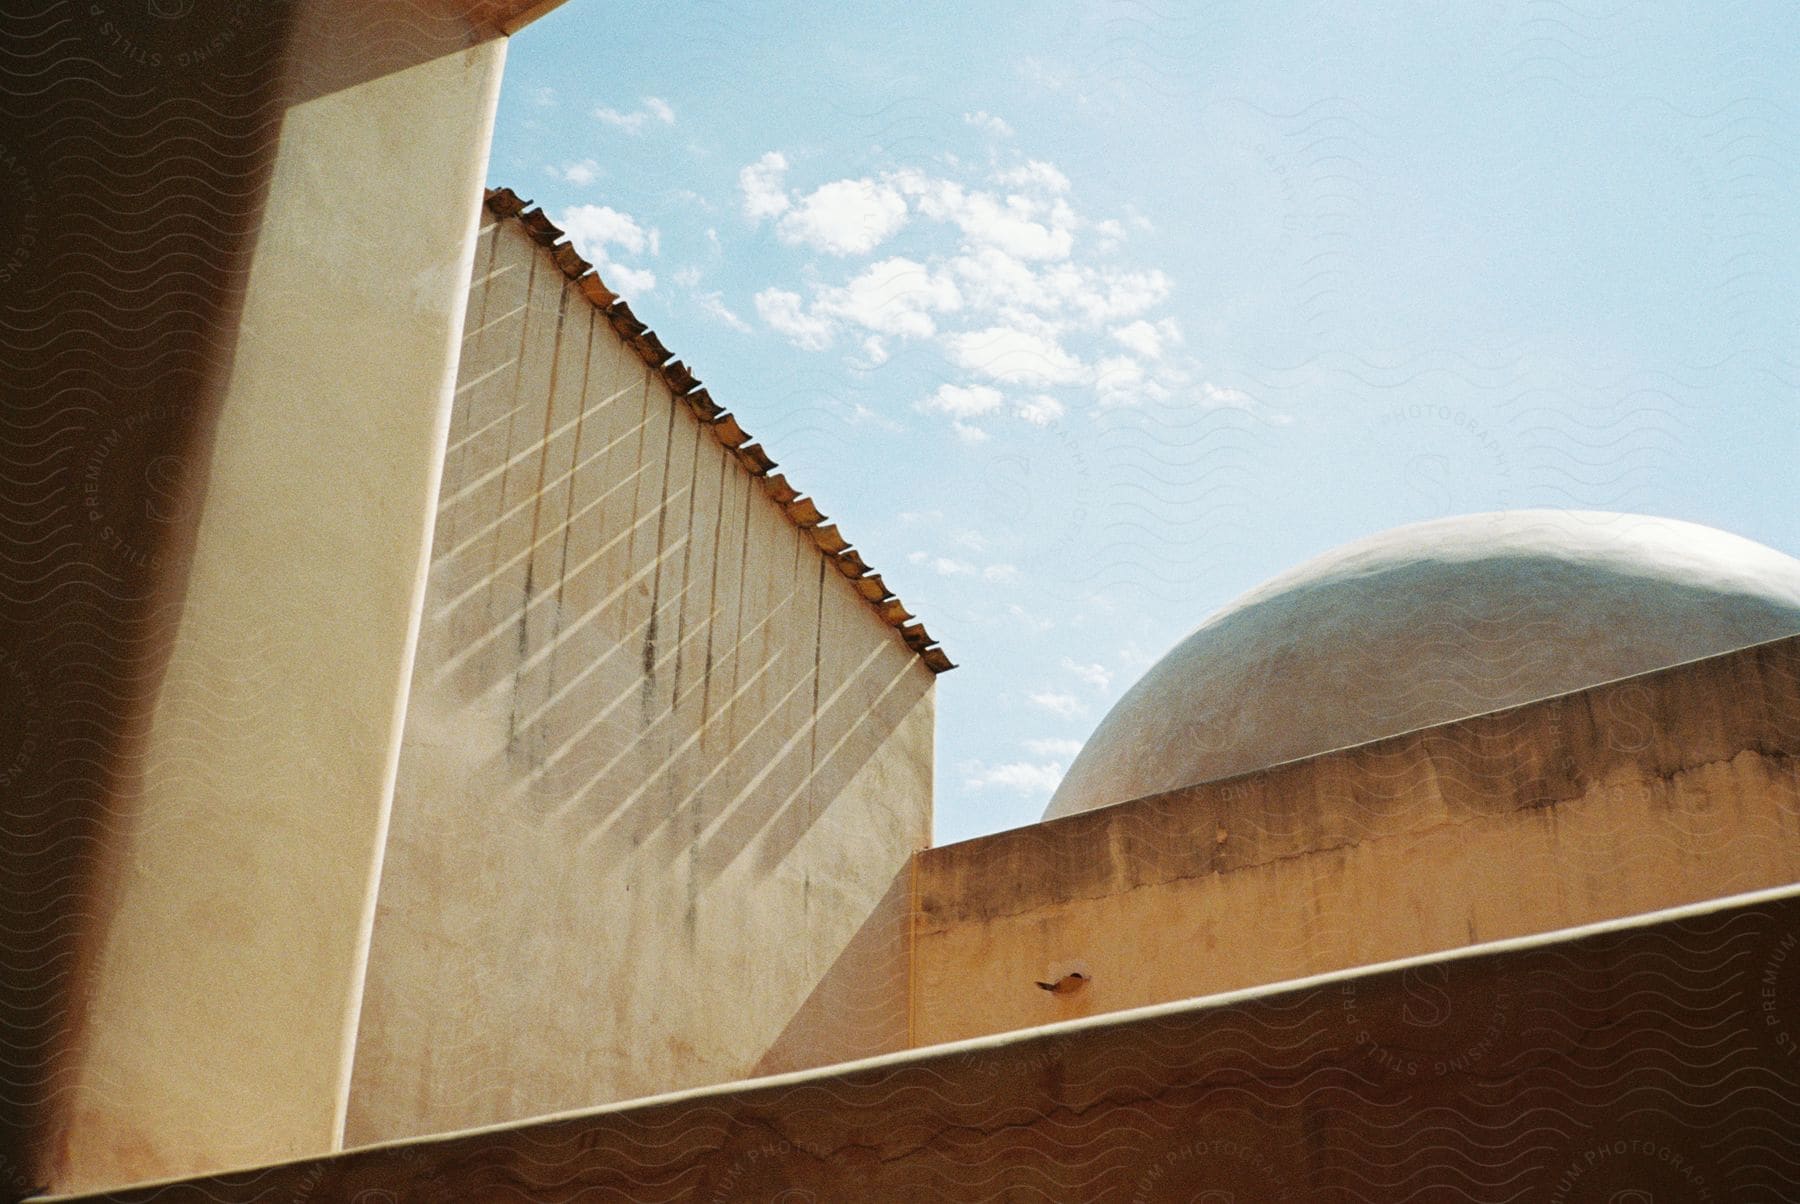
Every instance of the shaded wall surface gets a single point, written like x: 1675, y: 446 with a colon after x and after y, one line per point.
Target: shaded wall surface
x: 1650, y: 1063
x: 234, y: 241
x: 1651, y: 792
x: 662, y: 768
x: 119, y: 262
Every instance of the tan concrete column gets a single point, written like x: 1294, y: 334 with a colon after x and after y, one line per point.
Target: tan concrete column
x: 222, y: 999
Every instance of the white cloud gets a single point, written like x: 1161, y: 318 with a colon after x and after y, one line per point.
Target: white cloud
x: 583, y: 173
x: 895, y: 296
x: 1218, y: 395
x: 1021, y: 226
x: 714, y: 304
x: 1035, y: 174
x: 1120, y: 295
x: 761, y: 183
x: 1000, y: 574
x: 860, y: 413
x: 1149, y: 340
x: 654, y: 108
x: 1014, y: 300
x: 1120, y: 380
x: 1057, y: 703
x: 875, y: 352
x: 1062, y: 750
x: 592, y: 227
x: 786, y: 314
x: 627, y: 280
x: 995, y: 281
x: 960, y: 402
x: 844, y: 217
x: 1095, y: 675
x: 1013, y: 356
x: 1021, y: 777
x: 595, y: 228
x: 1058, y: 292
x: 968, y: 537
x: 1034, y: 623
x: 981, y: 119
x: 944, y: 566
x: 544, y: 98
x: 1040, y: 410
x: 687, y: 277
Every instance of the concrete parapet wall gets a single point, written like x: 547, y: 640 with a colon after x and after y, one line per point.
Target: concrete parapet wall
x: 1649, y: 792
x: 1654, y: 1061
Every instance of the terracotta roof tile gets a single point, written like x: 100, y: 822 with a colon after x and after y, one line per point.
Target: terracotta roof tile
x: 646, y: 344
x: 892, y: 612
x: 778, y: 488
x: 681, y: 378
x: 624, y: 321
x: 726, y: 427
x: 597, y: 293
x: 753, y: 457
x: 702, y: 404
x: 830, y: 540
x: 537, y: 223
x: 503, y: 202
x: 572, y: 264
x: 804, y: 512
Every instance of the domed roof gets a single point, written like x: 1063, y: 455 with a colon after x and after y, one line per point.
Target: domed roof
x: 1427, y: 624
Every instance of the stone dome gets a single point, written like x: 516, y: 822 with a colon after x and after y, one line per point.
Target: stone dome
x: 1426, y: 624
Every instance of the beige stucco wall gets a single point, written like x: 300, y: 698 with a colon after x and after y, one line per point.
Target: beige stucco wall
x: 222, y: 1000
x: 662, y: 766
x: 1651, y: 792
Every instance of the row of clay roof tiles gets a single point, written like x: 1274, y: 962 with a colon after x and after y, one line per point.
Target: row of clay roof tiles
x: 801, y: 511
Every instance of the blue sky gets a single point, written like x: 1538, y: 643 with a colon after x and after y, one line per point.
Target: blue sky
x: 1081, y: 319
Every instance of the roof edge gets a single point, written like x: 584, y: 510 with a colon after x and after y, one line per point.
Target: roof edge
x: 1149, y: 1013
x: 527, y: 15
x: 801, y: 511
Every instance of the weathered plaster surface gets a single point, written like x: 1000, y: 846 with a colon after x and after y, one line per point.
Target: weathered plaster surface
x: 223, y: 995
x: 1654, y: 791
x: 1651, y: 1061
x: 662, y: 765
